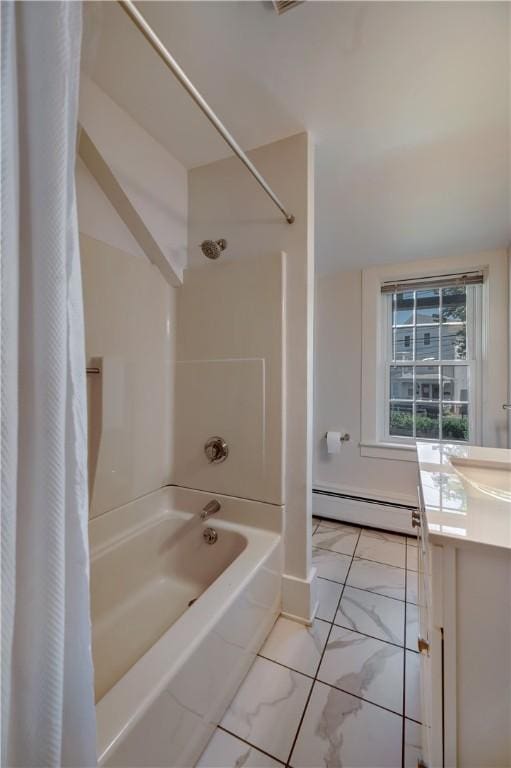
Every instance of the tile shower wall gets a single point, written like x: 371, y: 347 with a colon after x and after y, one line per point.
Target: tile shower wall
x: 129, y: 322
x: 229, y: 377
x: 225, y: 202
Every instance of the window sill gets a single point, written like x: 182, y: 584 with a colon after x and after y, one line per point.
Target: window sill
x: 377, y: 449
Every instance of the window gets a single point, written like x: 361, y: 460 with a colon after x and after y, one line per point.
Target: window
x: 431, y: 344
x: 393, y: 310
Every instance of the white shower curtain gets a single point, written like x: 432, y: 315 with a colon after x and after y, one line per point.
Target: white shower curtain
x: 47, y: 679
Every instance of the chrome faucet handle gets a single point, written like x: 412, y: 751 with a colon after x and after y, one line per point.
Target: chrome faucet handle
x: 506, y: 406
x: 216, y: 450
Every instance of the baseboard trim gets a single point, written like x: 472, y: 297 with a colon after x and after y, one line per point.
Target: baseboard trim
x: 366, y: 499
x: 359, y: 510
x: 371, y: 494
x: 300, y: 597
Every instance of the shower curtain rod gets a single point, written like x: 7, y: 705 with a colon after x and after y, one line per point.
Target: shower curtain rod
x: 130, y: 9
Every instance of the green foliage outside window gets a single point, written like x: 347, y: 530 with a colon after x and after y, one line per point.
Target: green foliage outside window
x: 453, y: 427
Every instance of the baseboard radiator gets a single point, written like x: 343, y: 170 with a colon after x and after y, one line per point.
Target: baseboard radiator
x: 360, y: 510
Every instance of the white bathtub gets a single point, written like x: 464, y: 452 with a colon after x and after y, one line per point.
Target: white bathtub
x: 165, y: 671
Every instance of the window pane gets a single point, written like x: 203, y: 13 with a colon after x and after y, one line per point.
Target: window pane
x: 403, y: 308
x: 426, y: 343
x: 454, y: 305
x: 454, y: 342
x: 428, y: 306
x: 427, y: 421
x: 403, y: 344
x: 427, y: 382
x: 401, y: 382
x: 401, y: 419
x: 455, y: 382
x: 455, y: 422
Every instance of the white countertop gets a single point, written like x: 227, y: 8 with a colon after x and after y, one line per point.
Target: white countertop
x: 460, y: 505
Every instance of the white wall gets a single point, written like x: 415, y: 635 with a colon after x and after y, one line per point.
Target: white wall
x: 154, y: 181
x: 337, y: 396
x: 225, y: 201
x: 130, y: 324
x: 97, y: 216
x: 130, y: 309
x: 339, y: 387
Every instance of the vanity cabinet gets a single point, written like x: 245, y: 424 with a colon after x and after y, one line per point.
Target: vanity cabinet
x: 430, y: 641
x: 464, y: 597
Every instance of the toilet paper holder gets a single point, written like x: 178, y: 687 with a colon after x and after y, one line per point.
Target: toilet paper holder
x: 343, y: 438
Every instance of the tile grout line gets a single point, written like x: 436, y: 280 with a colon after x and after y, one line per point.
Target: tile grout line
x: 413, y: 720
x: 367, y: 560
x: 285, y: 666
x: 371, y: 637
x: 405, y: 637
x: 361, y: 698
x: 309, y: 677
x: 363, y: 589
x: 332, y: 685
x: 315, y: 680
x: 369, y: 528
x: 249, y: 744
x: 324, y: 521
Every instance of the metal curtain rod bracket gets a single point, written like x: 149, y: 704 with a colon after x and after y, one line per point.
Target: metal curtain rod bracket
x: 130, y: 9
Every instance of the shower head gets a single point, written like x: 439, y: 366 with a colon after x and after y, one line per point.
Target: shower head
x: 213, y: 248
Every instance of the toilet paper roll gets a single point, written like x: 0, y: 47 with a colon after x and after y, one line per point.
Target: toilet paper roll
x: 333, y: 442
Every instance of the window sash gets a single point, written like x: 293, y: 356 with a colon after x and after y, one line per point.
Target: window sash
x: 473, y: 355
x: 440, y: 402
x: 438, y: 281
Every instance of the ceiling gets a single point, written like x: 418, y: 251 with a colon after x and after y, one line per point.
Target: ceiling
x: 408, y: 104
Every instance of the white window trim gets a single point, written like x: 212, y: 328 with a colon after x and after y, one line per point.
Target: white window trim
x: 491, y: 382
x: 473, y: 362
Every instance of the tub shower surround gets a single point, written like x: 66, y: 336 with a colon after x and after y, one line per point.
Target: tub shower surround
x: 344, y: 691
x: 177, y: 621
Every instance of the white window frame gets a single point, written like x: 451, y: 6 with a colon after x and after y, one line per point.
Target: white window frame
x: 472, y: 362
x: 490, y: 424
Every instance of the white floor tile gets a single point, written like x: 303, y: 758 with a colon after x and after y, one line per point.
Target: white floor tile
x: 412, y: 626
x: 377, y: 577
x: 328, y: 594
x: 342, y: 538
x: 267, y: 709
x: 412, y: 686
x: 413, y: 744
x: 412, y: 587
x: 226, y: 751
x: 365, y: 667
x: 372, y: 614
x: 411, y: 558
x: 336, y: 524
x: 374, y: 546
x: 398, y: 538
x: 341, y: 730
x: 295, y: 645
x: 331, y: 565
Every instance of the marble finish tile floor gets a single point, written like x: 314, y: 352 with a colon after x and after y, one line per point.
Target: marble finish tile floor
x: 343, y: 693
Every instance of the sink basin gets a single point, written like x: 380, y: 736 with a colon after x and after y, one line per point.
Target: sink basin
x: 492, y: 478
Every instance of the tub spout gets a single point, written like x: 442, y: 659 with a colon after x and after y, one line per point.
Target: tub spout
x: 211, y: 508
